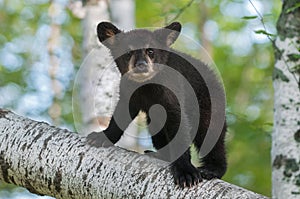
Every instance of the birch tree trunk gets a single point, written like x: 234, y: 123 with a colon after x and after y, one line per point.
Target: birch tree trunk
x: 51, y: 161
x: 123, y: 13
x: 286, y: 134
x: 98, y: 78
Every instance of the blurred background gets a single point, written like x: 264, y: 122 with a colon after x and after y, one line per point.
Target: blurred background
x: 42, y: 48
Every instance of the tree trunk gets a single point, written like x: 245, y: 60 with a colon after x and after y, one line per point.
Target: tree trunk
x: 51, y: 161
x: 97, y: 79
x: 286, y: 134
x: 123, y: 13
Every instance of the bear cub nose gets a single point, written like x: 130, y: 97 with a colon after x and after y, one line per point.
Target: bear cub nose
x: 141, y: 66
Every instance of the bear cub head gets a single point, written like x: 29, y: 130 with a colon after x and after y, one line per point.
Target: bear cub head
x: 139, y: 54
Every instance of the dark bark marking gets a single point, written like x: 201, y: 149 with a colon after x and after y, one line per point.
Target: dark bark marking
x: 211, y: 189
x: 217, y: 194
x: 295, y: 192
x: 57, y: 181
x: 23, y: 147
x: 3, y: 113
x: 12, y: 179
x: 99, y: 167
x: 224, y: 193
x: 31, y: 188
x: 30, y: 127
x: 4, y: 167
x: 26, y: 173
x: 45, y: 146
x: 290, y: 165
x: 80, y: 160
x: 168, y: 194
x: 279, y: 161
x: 49, y: 182
x: 26, y: 127
x: 84, y: 177
x: 70, y: 193
x: 278, y: 53
x: 297, y: 136
x: 297, y: 180
x: 288, y: 22
x: 142, y: 178
x: 13, y: 142
x: 37, y: 137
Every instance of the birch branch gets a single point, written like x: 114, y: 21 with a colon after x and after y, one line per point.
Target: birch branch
x: 51, y: 161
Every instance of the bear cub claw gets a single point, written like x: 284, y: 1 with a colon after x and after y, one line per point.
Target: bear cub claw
x: 186, y: 177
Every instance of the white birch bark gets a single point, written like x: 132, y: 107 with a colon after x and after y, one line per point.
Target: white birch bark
x: 123, y: 13
x: 98, y: 78
x: 286, y: 133
x: 52, y: 161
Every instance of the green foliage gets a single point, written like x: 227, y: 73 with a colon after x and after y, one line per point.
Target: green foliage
x: 291, y: 9
x: 249, y: 17
x: 263, y: 32
x: 293, y: 57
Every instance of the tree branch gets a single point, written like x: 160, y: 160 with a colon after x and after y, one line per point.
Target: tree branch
x: 51, y: 161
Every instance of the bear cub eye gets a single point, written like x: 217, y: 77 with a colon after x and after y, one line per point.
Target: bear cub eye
x: 129, y: 52
x: 150, y: 52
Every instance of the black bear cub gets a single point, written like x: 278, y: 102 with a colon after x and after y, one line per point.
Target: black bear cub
x: 155, y: 74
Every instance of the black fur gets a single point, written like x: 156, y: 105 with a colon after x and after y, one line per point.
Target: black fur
x: 185, y: 174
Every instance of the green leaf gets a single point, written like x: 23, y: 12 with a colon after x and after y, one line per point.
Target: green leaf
x: 263, y: 32
x: 249, y: 17
x: 297, y: 5
x: 293, y: 57
x: 278, y: 74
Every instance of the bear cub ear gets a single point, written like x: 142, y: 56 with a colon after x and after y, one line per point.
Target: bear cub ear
x: 169, y: 34
x: 106, y: 33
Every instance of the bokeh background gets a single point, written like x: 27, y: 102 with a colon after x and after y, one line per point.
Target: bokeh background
x: 36, y: 85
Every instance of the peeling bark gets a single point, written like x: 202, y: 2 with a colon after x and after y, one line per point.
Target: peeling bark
x: 55, y: 162
x: 285, y: 138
